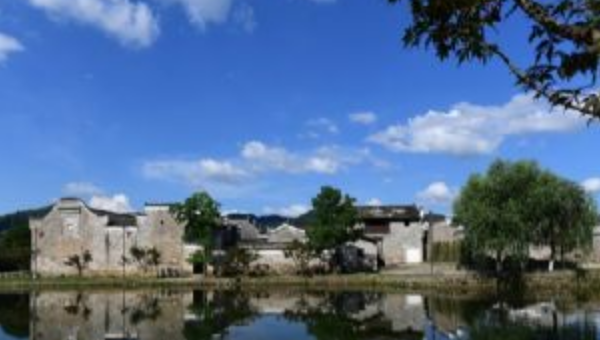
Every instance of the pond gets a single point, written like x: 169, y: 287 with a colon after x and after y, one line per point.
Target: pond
x: 286, y: 314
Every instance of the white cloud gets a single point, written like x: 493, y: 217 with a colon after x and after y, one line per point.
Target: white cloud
x: 116, y: 203
x: 196, y: 173
x: 293, y: 210
x: 131, y: 22
x: 320, y: 126
x: 374, y: 202
x: 437, y: 193
x: 264, y: 156
x: 364, y: 118
x: 244, y: 16
x: 256, y: 159
x: 9, y: 45
x: 591, y: 185
x: 469, y: 129
x: 202, y: 13
x: 81, y: 189
x: 326, y: 160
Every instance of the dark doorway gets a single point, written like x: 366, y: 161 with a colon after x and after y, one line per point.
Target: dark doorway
x: 199, y: 268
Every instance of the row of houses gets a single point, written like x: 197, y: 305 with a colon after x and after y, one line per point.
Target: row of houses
x: 393, y: 235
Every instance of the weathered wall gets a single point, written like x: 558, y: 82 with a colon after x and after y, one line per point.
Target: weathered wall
x: 442, y: 232
x: 404, y: 243
x: 71, y: 229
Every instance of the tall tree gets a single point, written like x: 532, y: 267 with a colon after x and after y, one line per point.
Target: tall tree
x: 564, y: 36
x: 564, y: 216
x: 334, y: 220
x: 201, y: 216
x: 493, y: 208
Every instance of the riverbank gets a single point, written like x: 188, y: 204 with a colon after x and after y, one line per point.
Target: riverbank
x: 458, y: 282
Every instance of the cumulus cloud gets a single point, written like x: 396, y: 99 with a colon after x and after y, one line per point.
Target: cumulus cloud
x: 256, y: 159
x: 469, y: 129
x: 117, y: 203
x: 131, y: 22
x: 293, y: 210
x: 591, y: 185
x: 196, y: 173
x: 364, y: 118
x: 8, y: 46
x: 324, y: 160
x: 81, y: 189
x: 437, y: 193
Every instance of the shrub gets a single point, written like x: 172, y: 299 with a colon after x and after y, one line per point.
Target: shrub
x: 237, y: 261
x: 301, y: 253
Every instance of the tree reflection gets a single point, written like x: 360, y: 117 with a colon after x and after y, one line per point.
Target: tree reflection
x: 486, y: 319
x: 14, y: 314
x: 147, y: 310
x: 352, y: 316
x: 214, y: 312
x: 207, y: 315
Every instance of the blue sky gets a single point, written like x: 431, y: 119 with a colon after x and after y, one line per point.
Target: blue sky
x: 122, y: 102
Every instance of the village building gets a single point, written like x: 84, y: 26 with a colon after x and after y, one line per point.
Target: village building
x: 393, y: 235
x: 398, y: 231
x: 286, y: 234
x: 72, y: 229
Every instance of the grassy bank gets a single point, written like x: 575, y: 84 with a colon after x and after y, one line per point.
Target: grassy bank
x: 464, y: 283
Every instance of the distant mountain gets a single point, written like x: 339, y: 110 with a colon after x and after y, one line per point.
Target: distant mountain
x: 271, y: 221
x: 305, y: 220
x: 266, y: 222
x: 21, y: 218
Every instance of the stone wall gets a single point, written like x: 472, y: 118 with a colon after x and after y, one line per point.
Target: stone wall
x: 71, y: 228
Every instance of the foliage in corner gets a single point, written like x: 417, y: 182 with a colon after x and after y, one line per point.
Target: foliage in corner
x: 564, y: 36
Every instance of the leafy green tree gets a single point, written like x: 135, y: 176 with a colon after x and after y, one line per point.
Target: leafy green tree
x: 16, y: 247
x: 334, y: 220
x: 494, y: 210
x: 564, y: 36
x: 201, y: 216
x: 564, y: 216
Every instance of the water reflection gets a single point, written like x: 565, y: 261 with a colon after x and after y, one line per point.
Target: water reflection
x: 198, y: 315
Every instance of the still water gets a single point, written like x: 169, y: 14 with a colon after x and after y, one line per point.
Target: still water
x: 293, y: 315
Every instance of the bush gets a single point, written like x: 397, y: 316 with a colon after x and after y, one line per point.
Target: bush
x: 301, y: 253
x: 236, y: 262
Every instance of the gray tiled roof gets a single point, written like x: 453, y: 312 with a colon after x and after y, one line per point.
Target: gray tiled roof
x: 389, y: 212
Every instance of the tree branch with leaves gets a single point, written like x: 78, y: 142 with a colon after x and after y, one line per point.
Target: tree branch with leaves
x: 564, y: 36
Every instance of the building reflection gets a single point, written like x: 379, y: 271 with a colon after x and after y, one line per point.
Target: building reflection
x: 199, y: 315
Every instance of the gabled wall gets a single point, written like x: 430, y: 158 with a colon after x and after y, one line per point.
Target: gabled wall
x: 71, y: 228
